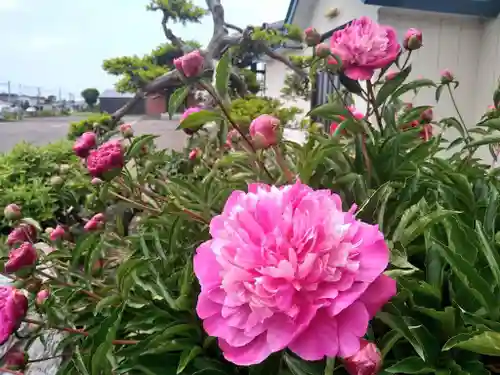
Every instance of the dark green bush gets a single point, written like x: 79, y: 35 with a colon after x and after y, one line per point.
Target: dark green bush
x: 104, y: 121
x: 25, y: 177
x: 243, y: 111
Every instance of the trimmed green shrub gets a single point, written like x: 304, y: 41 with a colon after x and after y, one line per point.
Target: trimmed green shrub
x: 104, y: 122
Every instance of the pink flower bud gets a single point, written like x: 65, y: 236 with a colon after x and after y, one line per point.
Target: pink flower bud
x: 84, y: 144
x: 334, y: 126
x: 190, y: 64
x: 426, y: 133
x: 427, y: 115
x: 413, y: 39
x: 322, y: 50
x: 42, y: 296
x: 15, y: 359
x: 21, y: 257
x: 332, y: 64
x: 232, y: 138
x: 367, y: 361
x: 357, y: 114
x: 127, y: 131
x: 185, y: 115
x: 95, y: 223
x: 96, y: 181
x: 194, y: 154
x: 391, y: 75
x: 447, y: 76
x: 107, y: 161
x: 57, y: 233
x: 264, y: 131
x: 13, y: 308
x: 312, y: 37
x: 12, y: 212
x: 22, y: 233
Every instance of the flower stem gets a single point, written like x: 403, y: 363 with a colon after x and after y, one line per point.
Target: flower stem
x: 44, y: 359
x: 137, y: 205
x: 78, y: 332
x: 330, y: 366
x: 462, y: 122
x: 371, y: 97
x: 63, y: 283
x: 283, y: 165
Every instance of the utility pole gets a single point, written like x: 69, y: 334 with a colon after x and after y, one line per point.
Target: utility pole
x: 8, y: 91
x: 60, y: 94
x: 39, y: 91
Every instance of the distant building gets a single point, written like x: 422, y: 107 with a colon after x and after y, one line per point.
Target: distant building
x: 111, y: 100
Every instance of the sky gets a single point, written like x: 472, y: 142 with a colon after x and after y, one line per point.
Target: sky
x: 60, y: 44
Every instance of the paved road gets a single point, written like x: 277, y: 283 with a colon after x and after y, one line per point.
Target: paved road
x: 40, y: 131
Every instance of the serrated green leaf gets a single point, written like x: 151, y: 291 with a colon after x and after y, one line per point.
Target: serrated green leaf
x: 410, y: 365
x: 418, y: 227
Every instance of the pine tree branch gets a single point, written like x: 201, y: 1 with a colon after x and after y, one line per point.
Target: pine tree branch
x: 169, y: 34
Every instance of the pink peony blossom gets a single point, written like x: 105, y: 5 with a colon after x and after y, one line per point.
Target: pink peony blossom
x: 194, y: 154
x: 367, y: 361
x: 287, y: 268
x: 190, y: 64
x: 22, y: 233
x: 57, y: 233
x: 21, y: 257
x: 96, y: 222
x: 106, y: 160
x: 264, y: 131
x: 412, y: 39
x: 42, y: 296
x: 13, y: 308
x: 365, y: 46
x: 357, y: 115
x: 12, y: 212
x: 427, y: 115
x: 84, y: 144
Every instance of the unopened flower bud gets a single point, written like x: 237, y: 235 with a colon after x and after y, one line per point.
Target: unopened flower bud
x: 42, y: 296
x: 12, y: 212
x: 96, y: 181
x: 264, y: 131
x: 127, y: 131
x: 322, y: 50
x: 413, y: 39
x: 447, y: 77
x: 427, y: 115
x: 194, y: 154
x: 312, y: 37
x: 64, y: 169
x: 15, y: 359
x: 56, y: 181
x: 367, y: 360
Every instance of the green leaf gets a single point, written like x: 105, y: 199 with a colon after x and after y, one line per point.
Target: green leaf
x: 106, y: 302
x: 487, y: 140
x: 452, y: 122
x: 413, y: 85
x: 390, y: 86
x: 388, y: 341
x: 222, y: 74
x: 468, y: 274
x: 493, y: 123
x: 176, y: 99
x: 490, y: 254
x: 351, y: 85
x: 421, y: 224
x: 481, y: 342
x: 330, y: 111
x: 410, y: 365
x: 139, y: 142
x: 439, y: 91
x: 301, y: 367
x: 197, y: 119
x: 187, y: 356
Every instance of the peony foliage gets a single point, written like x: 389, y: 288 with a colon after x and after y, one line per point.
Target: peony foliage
x: 371, y: 248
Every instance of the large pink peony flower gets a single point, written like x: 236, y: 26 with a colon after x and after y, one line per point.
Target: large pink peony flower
x: 286, y: 267
x: 107, y: 160
x: 13, y: 308
x: 365, y: 46
x: 21, y: 257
